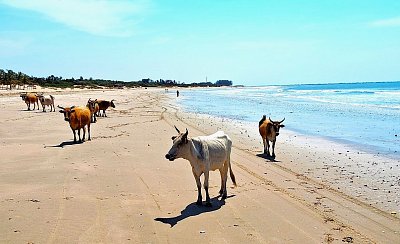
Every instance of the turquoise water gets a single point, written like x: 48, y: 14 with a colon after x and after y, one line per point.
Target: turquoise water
x: 364, y: 115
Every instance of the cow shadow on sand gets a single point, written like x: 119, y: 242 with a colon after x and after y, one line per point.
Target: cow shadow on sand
x: 65, y: 143
x: 32, y: 110
x: 192, y: 210
x: 266, y: 157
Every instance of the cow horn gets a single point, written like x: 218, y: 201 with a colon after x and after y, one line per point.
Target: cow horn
x: 282, y: 120
x: 58, y: 106
x: 177, y: 129
x: 72, y: 107
x: 186, y: 133
x: 270, y: 119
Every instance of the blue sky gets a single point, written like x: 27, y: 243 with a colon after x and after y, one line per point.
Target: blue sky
x: 257, y: 42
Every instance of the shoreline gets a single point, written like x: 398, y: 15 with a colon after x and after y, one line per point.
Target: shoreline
x: 370, y: 178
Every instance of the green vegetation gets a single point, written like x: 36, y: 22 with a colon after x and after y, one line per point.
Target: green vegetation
x: 12, y: 79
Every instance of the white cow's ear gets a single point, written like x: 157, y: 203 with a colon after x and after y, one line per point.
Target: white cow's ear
x: 61, y: 111
x: 173, y: 138
x: 282, y: 126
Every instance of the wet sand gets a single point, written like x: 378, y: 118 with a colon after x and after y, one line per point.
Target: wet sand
x: 367, y: 177
x: 119, y: 188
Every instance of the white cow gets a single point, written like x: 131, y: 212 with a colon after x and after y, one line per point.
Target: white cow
x: 204, y: 153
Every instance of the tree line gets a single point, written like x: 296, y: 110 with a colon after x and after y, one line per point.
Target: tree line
x: 12, y: 79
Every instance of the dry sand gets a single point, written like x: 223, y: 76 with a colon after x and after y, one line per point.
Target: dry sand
x: 119, y: 188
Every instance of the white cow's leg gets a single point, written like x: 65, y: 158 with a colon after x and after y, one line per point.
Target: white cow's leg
x: 199, y: 197
x: 224, y: 177
x: 222, y: 182
x: 206, y: 177
x: 221, y: 190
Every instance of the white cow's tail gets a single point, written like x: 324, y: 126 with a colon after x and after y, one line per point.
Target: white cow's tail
x: 229, y: 161
x: 231, y: 174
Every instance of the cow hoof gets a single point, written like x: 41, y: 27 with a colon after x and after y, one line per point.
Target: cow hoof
x: 199, y: 203
x: 208, y: 204
x: 220, y: 192
x: 224, y: 196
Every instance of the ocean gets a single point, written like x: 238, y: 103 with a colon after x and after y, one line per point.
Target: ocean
x: 363, y: 115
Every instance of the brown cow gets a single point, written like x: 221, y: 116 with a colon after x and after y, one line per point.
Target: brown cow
x: 78, y: 118
x: 269, y: 130
x: 103, y: 105
x: 30, y: 98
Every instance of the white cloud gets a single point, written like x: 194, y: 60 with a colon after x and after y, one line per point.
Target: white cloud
x: 98, y: 17
x: 393, y: 22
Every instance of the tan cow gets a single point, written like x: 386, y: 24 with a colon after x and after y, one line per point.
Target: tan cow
x: 94, y: 109
x: 29, y: 98
x: 269, y: 130
x: 78, y: 118
x: 47, y: 101
x: 204, y: 153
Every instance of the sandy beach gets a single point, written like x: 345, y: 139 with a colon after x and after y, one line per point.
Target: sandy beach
x: 119, y: 188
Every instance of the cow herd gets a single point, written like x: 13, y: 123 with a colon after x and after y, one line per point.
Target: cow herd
x: 78, y: 117
x: 205, y: 153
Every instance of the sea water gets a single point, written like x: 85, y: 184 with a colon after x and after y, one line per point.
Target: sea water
x: 362, y: 115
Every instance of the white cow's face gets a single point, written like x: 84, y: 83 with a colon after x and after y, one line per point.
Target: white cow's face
x: 179, y: 146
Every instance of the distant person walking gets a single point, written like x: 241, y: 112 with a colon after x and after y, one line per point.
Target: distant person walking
x: 177, y: 93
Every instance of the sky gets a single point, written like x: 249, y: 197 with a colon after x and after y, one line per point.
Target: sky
x: 257, y: 42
